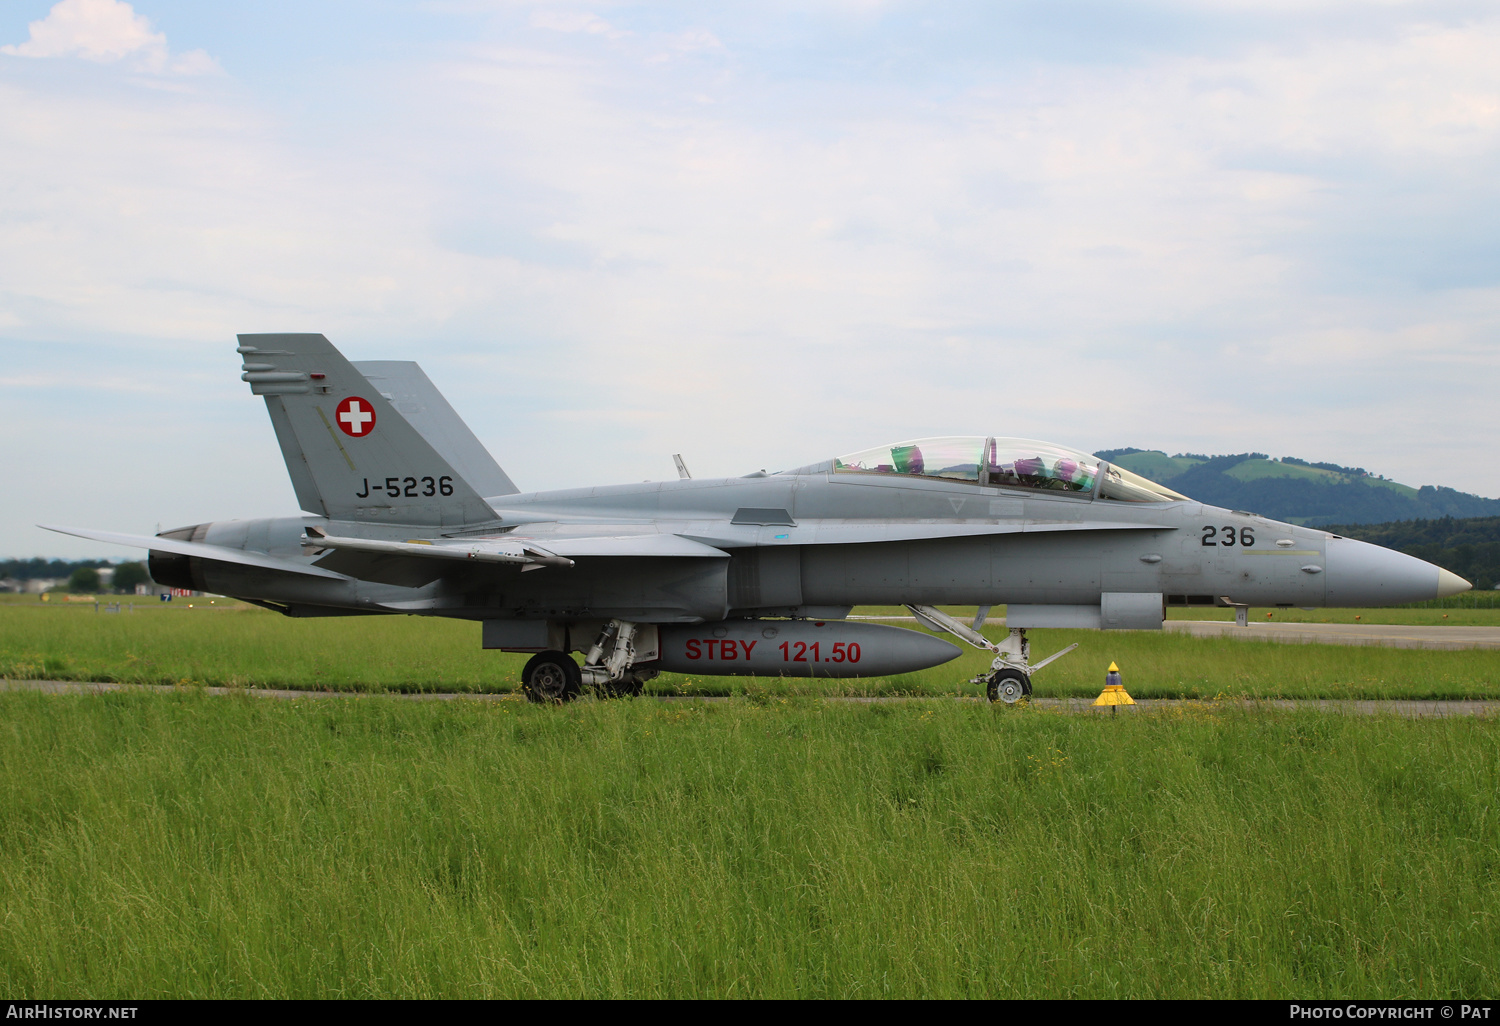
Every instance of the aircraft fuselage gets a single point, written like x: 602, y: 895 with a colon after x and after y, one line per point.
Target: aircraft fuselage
x: 1007, y: 546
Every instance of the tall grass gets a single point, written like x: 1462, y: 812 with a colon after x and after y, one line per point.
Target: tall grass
x: 175, y: 845
x: 238, y: 645
x: 248, y: 647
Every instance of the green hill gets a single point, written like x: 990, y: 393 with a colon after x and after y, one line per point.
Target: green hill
x: 1298, y: 491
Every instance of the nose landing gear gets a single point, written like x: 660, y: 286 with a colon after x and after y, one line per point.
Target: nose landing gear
x: 1007, y: 685
x: 1009, y: 676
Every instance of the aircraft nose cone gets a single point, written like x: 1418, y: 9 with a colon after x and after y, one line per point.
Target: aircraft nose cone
x: 1451, y: 584
x: 1361, y: 574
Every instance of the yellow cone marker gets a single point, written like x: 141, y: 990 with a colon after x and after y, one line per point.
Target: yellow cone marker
x: 1114, y: 692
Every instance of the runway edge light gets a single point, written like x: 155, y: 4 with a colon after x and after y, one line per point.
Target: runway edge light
x: 1114, y: 691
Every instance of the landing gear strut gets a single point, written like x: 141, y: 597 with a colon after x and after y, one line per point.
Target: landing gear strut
x: 1009, y: 676
x: 610, y: 668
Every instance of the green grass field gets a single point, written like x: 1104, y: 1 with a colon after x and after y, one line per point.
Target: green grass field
x: 167, y: 845
x: 235, y: 645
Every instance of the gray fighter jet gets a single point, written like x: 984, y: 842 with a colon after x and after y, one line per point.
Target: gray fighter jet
x: 745, y: 575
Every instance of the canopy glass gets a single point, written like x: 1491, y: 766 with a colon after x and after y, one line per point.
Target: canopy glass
x: 1006, y: 462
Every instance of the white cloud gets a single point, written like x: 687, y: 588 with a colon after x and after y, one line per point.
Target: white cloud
x: 694, y: 40
x: 97, y: 30
x: 574, y: 21
x: 689, y: 42
x: 107, y: 31
x: 86, y: 383
x: 1226, y: 247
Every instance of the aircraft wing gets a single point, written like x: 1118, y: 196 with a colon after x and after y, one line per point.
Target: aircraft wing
x: 634, y: 545
x: 710, y: 538
x: 865, y: 532
x: 526, y: 549
x: 857, y: 532
x: 417, y: 562
x: 199, y: 549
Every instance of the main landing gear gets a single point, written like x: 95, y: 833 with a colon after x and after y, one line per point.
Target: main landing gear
x: 551, y: 677
x: 608, y: 668
x: 1009, y: 676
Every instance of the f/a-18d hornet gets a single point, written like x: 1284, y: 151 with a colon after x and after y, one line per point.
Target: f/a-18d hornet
x: 407, y: 513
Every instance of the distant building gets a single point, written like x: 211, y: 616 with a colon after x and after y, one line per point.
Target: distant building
x: 37, y: 585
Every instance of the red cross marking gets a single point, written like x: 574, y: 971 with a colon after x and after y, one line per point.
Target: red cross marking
x: 356, y: 417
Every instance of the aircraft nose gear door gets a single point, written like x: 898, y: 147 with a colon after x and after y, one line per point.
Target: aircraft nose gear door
x: 1009, y: 677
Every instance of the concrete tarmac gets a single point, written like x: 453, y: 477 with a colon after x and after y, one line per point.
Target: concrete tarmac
x: 1383, y: 635
x: 1411, y: 709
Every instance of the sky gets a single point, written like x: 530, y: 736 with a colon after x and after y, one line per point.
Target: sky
x: 757, y: 234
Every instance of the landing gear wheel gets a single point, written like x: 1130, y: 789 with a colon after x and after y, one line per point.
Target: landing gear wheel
x: 1008, y: 686
x: 631, y: 686
x: 551, y: 677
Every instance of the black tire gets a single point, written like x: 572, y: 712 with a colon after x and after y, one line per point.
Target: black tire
x: 1008, y: 686
x: 551, y: 677
x: 632, y: 686
x: 629, y: 687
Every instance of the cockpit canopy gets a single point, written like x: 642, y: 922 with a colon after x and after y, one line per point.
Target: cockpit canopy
x: 1007, y: 462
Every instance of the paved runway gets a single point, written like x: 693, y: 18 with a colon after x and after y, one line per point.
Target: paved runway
x: 1411, y: 709
x: 1384, y: 635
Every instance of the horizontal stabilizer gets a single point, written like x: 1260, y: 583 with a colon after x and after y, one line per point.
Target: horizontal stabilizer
x: 199, y: 549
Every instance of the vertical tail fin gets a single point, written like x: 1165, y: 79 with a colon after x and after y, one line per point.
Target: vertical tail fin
x: 350, y: 454
x: 417, y: 399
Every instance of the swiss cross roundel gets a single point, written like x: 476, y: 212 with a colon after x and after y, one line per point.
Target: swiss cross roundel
x: 356, y: 417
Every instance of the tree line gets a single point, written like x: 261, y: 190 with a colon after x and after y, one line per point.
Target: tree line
x: 82, y: 575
